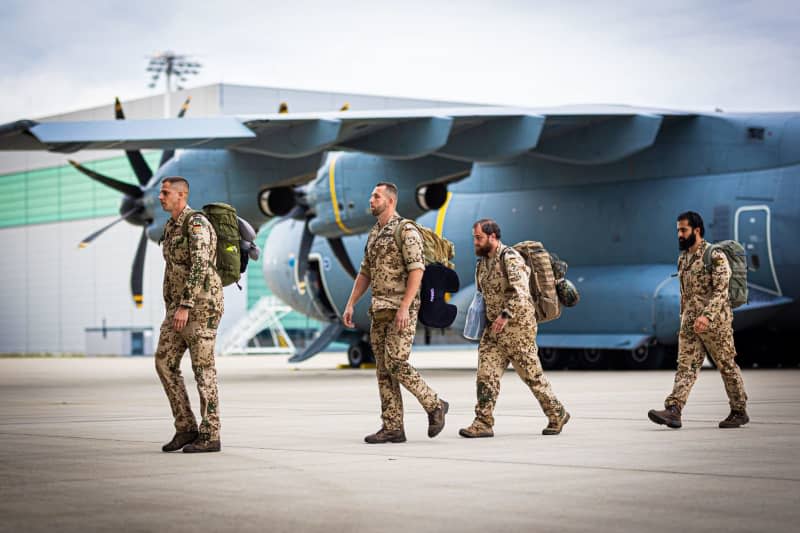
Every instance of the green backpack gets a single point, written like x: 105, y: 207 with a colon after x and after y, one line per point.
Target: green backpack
x: 737, y: 259
x: 226, y: 225
x: 435, y: 249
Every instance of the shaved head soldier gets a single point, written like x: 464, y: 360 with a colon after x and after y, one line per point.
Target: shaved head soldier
x: 194, y: 301
x: 394, y: 273
x: 511, y: 334
x: 706, y: 326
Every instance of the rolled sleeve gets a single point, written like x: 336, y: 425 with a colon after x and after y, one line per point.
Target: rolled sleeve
x: 364, y: 269
x: 413, y: 256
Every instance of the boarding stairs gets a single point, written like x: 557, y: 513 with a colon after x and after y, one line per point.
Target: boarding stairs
x: 265, y: 314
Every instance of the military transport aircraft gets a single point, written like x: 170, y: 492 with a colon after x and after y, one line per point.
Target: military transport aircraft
x: 599, y: 185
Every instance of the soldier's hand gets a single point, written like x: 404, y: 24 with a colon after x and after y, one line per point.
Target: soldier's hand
x: 347, y: 317
x: 180, y: 319
x: 701, y: 324
x: 498, y: 324
x: 402, y: 318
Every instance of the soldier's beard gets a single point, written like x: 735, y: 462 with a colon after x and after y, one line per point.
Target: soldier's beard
x: 685, y: 244
x: 377, y: 210
x: 483, y: 251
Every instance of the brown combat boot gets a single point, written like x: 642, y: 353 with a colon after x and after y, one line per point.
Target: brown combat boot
x: 181, y: 439
x: 476, y: 430
x: 384, y: 435
x: 671, y: 416
x: 735, y: 419
x: 555, y: 425
x: 436, y: 419
x: 202, y: 445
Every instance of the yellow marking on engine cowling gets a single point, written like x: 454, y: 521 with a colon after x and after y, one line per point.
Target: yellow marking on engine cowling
x: 440, y: 216
x: 334, y: 202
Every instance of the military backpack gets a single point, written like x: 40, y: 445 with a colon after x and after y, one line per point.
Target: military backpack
x: 439, y: 278
x: 230, y: 262
x: 435, y: 249
x: 547, y: 271
x: 737, y: 259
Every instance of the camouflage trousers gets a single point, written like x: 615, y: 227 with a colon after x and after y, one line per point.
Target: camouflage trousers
x: 199, y: 336
x: 717, y: 342
x: 516, y: 344
x: 392, y: 349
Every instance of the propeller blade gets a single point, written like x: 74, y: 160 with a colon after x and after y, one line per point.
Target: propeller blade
x: 166, y: 155
x: 302, y: 258
x: 137, y: 272
x: 140, y: 166
x: 185, y: 107
x: 119, y: 114
x: 137, y: 161
x: 125, y: 188
x: 341, y: 255
x: 85, y: 242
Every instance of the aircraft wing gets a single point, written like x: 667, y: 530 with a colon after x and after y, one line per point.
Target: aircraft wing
x: 575, y: 134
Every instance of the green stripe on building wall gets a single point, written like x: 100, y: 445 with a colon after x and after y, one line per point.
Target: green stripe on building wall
x: 60, y: 194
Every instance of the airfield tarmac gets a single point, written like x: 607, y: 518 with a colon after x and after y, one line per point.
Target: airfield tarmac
x: 80, y: 451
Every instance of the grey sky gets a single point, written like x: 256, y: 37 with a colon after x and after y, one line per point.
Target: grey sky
x: 737, y: 55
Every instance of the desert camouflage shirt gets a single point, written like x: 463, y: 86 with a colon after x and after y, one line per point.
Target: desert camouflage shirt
x: 511, y: 293
x: 190, y: 276
x: 387, y: 266
x: 703, y: 292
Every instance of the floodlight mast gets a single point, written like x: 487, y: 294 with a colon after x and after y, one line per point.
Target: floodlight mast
x: 170, y: 64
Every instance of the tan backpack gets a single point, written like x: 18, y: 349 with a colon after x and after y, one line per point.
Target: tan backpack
x: 435, y: 249
x: 543, y: 270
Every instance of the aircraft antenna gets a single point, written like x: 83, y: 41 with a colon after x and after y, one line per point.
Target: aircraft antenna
x: 170, y: 65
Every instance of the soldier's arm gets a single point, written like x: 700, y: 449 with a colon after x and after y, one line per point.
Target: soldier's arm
x: 518, y: 291
x: 414, y: 262
x: 360, y: 286
x: 680, y: 287
x: 200, y: 252
x: 720, y: 279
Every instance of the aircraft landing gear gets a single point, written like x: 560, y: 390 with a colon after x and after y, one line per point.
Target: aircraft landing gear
x: 644, y: 358
x: 551, y: 358
x: 359, y: 353
x: 593, y: 359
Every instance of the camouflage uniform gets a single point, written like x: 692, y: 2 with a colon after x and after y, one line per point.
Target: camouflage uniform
x: 387, y: 268
x: 517, y: 341
x: 706, y: 293
x: 190, y: 280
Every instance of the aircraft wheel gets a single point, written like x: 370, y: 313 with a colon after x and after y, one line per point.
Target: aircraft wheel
x: 360, y: 353
x: 670, y: 361
x: 790, y: 358
x: 644, y: 358
x: 593, y: 359
x: 551, y: 358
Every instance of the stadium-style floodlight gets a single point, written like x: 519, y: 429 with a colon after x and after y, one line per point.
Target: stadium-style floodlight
x: 170, y: 64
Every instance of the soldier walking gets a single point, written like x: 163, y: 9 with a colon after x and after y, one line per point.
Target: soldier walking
x: 194, y: 302
x: 706, y: 326
x: 511, y: 334
x: 394, y: 273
